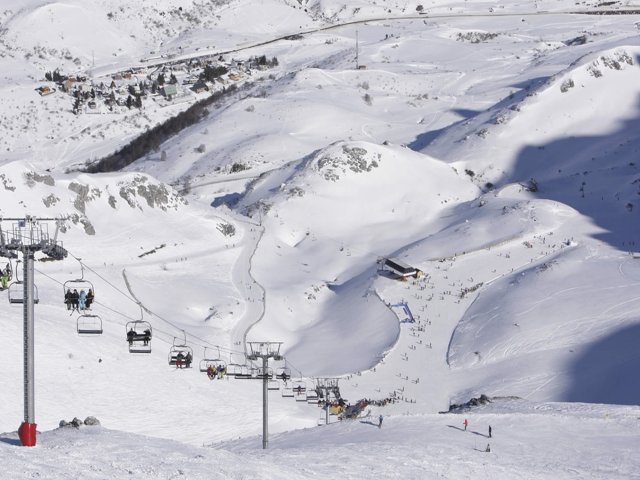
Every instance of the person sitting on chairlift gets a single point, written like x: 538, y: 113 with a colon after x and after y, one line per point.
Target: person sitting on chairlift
x: 82, y: 300
x: 221, y: 371
x: 187, y: 359
x: 179, y: 359
x: 130, y: 336
x: 68, y: 298
x: 211, y: 373
x: 89, y: 299
x: 75, y: 299
x: 147, y: 336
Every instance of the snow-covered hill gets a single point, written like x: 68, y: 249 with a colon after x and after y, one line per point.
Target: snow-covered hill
x: 492, y: 146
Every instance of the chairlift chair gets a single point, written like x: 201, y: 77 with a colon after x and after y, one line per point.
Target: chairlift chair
x: 9, y: 268
x: 283, y: 373
x: 139, y: 334
x: 16, y: 292
x: 273, y: 385
x: 235, y: 369
x: 300, y: 391
x: 180, y: 352
x: 312, y: 396
x: 89, y: 325
x: 216, y: 362
x: 287, y: 392
x: 78, y: 284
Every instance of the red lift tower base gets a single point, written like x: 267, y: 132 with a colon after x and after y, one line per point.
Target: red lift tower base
x: 27, y: 434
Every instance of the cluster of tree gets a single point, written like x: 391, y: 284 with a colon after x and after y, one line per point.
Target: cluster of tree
x: 211, y: 72
x: 263, y: 61
x: 151, y: 140
x: 55, y: 76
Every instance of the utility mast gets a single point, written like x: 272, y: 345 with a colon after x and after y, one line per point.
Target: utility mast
x: 265, y: 351
x: 27, y: 236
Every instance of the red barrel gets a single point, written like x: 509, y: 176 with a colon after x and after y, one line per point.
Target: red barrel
x: 27, y: 434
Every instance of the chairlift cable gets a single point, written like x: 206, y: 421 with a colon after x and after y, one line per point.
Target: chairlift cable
x: 226, y: 350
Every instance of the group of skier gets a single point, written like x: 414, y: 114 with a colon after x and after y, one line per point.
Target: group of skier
x: 78, y: 301
x: 184, y: 361
x: 214, y: 372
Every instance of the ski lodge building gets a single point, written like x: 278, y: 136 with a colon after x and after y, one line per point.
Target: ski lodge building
x: 401, y: 269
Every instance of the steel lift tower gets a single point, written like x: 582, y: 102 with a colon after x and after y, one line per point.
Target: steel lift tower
x: 27, y: 236
x: 265, y: 351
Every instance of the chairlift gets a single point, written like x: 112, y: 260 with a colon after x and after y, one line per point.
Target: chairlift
x: 139, y: 334
x: 8, y: 270
x: 237, y: 370
x: 265, y: 374
x: 283, y: 373
x: 273, y: 385
x: 180, y: 355
x: 16, y: 292
x: 78, y: 285
x: 300, y: 391
x: 312, y: 396
x: 287, y: 392
x: 89, y: 325
x: 216, y: 363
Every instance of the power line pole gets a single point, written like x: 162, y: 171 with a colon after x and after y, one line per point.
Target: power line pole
x: 27, y: 236
x: 265, y: 351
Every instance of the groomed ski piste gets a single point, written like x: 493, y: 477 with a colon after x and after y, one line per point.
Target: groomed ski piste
x: 492, y: 147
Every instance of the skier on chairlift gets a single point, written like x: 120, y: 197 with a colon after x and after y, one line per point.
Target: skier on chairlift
x: 82, y: 300
x: 68, y: 298
x: 75, y: 300
x: 179, y: 359
x: 89, y: 300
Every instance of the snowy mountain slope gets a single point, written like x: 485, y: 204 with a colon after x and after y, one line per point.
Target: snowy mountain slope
x: 531, y: 440
x: 554, y: 256
x: 327, y: 196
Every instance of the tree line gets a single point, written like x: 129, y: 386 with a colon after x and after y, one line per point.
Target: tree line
x: 151, y: 140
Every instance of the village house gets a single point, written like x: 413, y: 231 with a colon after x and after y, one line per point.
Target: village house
x: 169, y: 90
